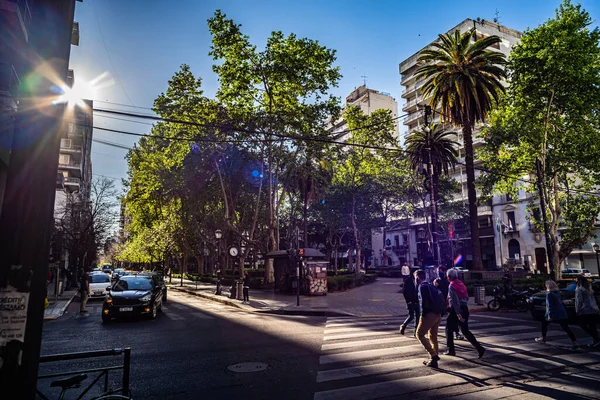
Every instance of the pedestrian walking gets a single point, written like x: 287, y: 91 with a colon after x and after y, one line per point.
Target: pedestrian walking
x: 412, y: 303
x: 246, y: 288
x: 432, y: 305
x: 84, y: 290
x: 458, y: 300
x: 556, y: 312
x: 587, y: 309
x: 405, y: 270
x: 442, y: 283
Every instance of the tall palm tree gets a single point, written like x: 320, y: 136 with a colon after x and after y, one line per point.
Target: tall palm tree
x: 464, y: 79
x: 434, y: 147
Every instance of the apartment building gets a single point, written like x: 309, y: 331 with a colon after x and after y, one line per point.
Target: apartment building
x: 412, y: 246
x: 369, y: 100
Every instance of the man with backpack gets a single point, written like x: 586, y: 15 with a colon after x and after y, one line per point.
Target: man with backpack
x: 432, y: 306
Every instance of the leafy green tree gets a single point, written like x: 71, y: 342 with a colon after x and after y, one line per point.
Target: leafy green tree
x: 464, y: 79
x: 550, y: 118
x: 280, y: 92
x: 361, y: 164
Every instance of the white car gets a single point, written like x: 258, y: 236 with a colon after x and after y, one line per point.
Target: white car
x: 575, y: 272
x: 461, y: 269
x: 98, y: 284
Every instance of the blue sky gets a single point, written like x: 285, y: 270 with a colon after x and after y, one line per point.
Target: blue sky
x: 141, y: 43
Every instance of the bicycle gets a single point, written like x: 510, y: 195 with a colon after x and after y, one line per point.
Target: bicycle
x: 74, y: 382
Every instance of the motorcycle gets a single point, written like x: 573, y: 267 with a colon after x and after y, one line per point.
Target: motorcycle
x: 515, y: 300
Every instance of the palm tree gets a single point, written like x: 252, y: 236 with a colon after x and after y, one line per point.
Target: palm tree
x: 464, y: 79
x: 435, y: 147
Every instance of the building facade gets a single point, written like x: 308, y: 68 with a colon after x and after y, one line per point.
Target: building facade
x: 369, y: 100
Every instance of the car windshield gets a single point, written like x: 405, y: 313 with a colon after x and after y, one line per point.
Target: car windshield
x: 133, y: 283
x: 100, y: 278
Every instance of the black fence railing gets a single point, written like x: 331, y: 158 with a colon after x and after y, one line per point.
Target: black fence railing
x: 101, y: 372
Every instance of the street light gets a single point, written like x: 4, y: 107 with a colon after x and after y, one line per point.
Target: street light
x: 421, y: 236
x: 597, y: 250
x: 218, y: 236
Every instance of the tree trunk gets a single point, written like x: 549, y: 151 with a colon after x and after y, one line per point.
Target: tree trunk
x: 433, y: 205
x: 471, y: 192
x: 356, y: 241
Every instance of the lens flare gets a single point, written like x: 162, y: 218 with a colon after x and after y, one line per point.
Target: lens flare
x: 458, y: 259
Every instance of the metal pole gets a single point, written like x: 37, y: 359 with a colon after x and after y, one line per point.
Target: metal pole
x: 298, y: 285
x: 549, y: 241
x: 126, y: 367
x: 597, y: 260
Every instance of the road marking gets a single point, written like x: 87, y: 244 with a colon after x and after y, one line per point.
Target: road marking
x: 394, y: 320
x: 404, y: 386
x: 358, y: 343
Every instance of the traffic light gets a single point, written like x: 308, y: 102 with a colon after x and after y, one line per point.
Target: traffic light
x: 301, y: 252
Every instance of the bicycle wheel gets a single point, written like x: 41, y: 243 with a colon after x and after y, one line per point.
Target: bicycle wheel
x: 113, y: 397
x: 522, y: 305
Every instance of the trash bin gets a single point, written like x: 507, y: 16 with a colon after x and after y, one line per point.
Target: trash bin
x: 479, y: 295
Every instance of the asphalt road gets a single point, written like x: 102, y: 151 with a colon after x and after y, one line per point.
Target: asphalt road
x: 185, y: 352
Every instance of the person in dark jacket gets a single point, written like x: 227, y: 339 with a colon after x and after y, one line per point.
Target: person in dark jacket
x: 556, y: 312
x: 246, y: 288
x: 432, y: 305
x: 458, y: 300
x: 412, y: 302
x: 587, y: 309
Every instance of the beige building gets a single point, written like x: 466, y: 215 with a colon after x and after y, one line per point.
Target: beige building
x: 370, y: 100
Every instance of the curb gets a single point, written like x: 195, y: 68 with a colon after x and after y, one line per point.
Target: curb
x: 274, y: 311
x: 61, y: 311
x: 478, y: 309
x: 313, y: 313
x: 214, y: 298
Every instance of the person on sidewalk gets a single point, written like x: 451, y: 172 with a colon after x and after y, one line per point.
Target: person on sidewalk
x: 556, y: 312
x: 458, y: 300
x: 84, y: 290
x: 587, y: 309
x: 412, y: 302
x: 246, y: 288
x: 432, y: 305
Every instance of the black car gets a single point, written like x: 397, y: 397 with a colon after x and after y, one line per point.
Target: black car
x: 134, y: 295
x: 537, y: 301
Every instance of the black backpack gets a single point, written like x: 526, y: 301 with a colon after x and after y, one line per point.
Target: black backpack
x: 436, y: 301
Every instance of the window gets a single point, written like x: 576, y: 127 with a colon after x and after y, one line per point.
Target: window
x: 64, y: 159
x: 65, y: 143
x: 405, y: 238
x: 100, y: 278
x: 396, y: 240
x: 481, y: 36
x: 484, y: 222
x: 508, y: 197
x: 537, y: 215
x: 512, y: 223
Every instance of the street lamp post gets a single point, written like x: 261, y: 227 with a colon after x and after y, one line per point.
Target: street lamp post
x: 218, y: 236
x: 421, y: 236
x: 596, y: 248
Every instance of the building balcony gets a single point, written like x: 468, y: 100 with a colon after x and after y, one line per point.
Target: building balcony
x: 72, y: 184
x: 413, y: 117
x: 70, y: 149
x: 72, y: 167
x: 9, y: 80
x: 18, y: 15
x: 484, y: 210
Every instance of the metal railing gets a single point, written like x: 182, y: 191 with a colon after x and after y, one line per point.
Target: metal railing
x: 102, y: 372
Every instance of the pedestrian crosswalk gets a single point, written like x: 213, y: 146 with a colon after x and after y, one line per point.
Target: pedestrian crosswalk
x: 367, y: 358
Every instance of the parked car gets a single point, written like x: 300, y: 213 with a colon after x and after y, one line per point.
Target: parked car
x: 537, y: 302
x: 98, y: 283
x: 133, y: 295
x: 107, y: 269
x: 574, y: 273
x: 117, y: 273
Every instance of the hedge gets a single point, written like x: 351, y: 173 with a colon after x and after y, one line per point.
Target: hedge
x: 344, y: 282
x: 521, y: 284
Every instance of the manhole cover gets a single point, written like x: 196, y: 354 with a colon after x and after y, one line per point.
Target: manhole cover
x: 248, y: 367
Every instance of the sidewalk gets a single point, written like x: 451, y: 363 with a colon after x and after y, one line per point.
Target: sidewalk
x: 56, y: 308
x: 379, y: 299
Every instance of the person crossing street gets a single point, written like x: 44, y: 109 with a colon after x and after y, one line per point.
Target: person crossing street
x: 412, y: 302
x: 246, y: 288
x: 432, y: 305
x: 458, y: 300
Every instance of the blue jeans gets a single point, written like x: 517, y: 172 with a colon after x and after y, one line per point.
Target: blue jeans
x: 413, y: 313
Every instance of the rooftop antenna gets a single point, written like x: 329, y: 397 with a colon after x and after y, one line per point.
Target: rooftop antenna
x: 364, y: 79
x: 497, y: 18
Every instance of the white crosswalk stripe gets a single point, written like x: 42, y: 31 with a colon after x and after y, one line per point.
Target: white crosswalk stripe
x: 368, y: 358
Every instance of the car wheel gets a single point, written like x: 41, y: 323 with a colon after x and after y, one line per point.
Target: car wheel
x: 522, y: 306
x: 105, y: 319
x: 493, y: 305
